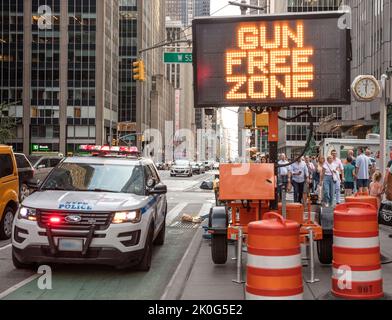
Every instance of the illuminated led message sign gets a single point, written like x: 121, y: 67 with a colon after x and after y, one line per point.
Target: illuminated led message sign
x: 271, y: 61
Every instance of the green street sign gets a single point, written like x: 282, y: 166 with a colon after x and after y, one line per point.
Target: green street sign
x: 40, y: 148
x: 177, y: 57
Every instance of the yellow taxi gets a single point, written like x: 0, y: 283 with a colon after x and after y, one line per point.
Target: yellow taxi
x: 9, y: 188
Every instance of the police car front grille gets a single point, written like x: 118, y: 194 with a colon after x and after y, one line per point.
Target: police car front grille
x: 101, y: 220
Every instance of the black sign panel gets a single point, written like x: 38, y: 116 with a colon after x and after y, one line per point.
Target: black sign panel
x: 271, y: 61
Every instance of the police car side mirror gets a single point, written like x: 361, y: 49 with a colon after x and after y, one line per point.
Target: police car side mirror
x: 159, y: 189
x: 33, y: 184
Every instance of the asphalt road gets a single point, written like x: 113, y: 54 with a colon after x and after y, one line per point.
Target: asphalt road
x: 105, y: 283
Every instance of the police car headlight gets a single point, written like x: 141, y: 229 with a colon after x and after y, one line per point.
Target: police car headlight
x: 127, y: 216
x: 28, y: 214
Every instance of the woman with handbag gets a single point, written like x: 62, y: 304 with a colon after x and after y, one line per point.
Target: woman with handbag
x: 328, y: 181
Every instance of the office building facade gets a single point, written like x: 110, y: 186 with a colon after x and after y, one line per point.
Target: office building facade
x: 293, y: 134
x: 63, y: 55
x: 372, y: 54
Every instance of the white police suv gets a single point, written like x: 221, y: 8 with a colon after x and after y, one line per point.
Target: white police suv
x: 93, y: 210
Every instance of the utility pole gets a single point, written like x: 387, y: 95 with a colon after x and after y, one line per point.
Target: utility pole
x: 383, y: 119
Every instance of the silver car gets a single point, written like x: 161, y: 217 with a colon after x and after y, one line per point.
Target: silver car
x: 181, y: 168
x: 93, y: 210
x: 43, y: 165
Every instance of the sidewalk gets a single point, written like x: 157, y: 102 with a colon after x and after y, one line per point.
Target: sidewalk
x: 207, y: 281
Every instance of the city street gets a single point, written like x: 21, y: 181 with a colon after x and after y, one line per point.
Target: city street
x: 92, y: 282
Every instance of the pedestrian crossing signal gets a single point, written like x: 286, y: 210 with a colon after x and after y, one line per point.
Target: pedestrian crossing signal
x: 139, y: 73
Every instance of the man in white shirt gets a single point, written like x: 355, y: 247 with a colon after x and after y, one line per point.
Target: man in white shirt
x: 338, y: 166
x: 283, y: 174
x: 362, y: 171
x: 298, y: 175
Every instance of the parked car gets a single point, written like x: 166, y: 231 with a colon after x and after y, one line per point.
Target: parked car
x: 43, y: 165
x: 209, y: 165
x: 181, y: 168
x: 26, y: 173
x: 198, y: 168
x: 93, y: 210
x: 9, y: 189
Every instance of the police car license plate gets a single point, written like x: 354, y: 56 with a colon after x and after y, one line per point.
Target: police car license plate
x: 71, y: 245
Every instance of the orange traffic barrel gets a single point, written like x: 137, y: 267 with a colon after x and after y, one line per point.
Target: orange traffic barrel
x: 356, y: 252
x: 294, y: 212
x: 363, y: 199
x: 274, y: 269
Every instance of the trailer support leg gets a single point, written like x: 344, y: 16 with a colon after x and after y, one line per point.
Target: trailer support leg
x: 239, y: 258
x: 311, y: 244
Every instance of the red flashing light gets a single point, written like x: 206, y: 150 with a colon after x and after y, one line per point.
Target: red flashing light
x: 117, y: 149
x: 55, y: 220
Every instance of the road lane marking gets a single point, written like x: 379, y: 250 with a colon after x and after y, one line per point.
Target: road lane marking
x: 184, y: 258
x: 205, y: 208
x: 6, y: 247
x: 173, y: 213
x: 17, y: 286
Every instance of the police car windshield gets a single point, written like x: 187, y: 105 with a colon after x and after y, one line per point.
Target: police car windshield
x: 96, y: 178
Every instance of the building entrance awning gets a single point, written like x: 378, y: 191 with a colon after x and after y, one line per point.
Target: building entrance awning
x: 343, y: 126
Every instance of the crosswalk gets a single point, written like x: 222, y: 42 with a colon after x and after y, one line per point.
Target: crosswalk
x: 173, y: 217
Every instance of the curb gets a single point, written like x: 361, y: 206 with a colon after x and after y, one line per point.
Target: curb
x: 177, y: 283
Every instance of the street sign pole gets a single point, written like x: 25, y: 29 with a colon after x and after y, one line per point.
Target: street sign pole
x: 383, y: 123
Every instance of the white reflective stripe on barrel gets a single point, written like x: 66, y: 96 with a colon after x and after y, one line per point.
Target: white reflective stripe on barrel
x: 356, y: 243
x: 268, y: 262
x: 250, y: 296
x: 357, y: 276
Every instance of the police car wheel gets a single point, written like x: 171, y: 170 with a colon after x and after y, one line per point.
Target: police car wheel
x: 145, y: 263
x: 6, y: 223
x: 20, y: 265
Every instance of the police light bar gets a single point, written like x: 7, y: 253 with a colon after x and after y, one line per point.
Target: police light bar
x: 115, y: 149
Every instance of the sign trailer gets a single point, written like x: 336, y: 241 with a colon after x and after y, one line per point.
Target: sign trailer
x: 280, y: 60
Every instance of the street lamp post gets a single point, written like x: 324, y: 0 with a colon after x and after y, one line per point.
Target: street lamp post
x: 383, y: 120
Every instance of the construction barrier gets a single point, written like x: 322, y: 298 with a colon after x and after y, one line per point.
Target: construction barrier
x: 294, y: 212
x: 356, y: 252
x: 364, y: 198
x: 274, y: 269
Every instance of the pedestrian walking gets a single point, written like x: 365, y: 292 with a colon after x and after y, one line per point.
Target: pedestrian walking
x: 328, y: 179
x: 319, y: 170
x: 352, y: 156
x: 283, y: 175
x: 362, y: 171
x: 349, y: 177
x: 376, y: 187
x: 337, y: 163
x: 372, y: 167
x: 316, y: 175
x: 298, y: 176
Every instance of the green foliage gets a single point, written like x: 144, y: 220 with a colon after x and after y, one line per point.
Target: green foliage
x: 7, y: 123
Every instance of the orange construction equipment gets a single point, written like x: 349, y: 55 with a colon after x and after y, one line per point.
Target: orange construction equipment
x: 243, y: 214
x: 356, y: 252
x: 246, y: 181
x: 363, y: 198
x: 294, y: 212
x: 274, y: 269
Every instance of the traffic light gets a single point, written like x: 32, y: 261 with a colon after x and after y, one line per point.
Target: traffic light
x: 248, y: 119
x: 262, y: 120
x: 139, y: 73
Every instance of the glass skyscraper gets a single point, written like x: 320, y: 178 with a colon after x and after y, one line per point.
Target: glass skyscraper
x: 59, y: 62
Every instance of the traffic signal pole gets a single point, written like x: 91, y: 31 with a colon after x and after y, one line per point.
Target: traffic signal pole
x: 273, y: 140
